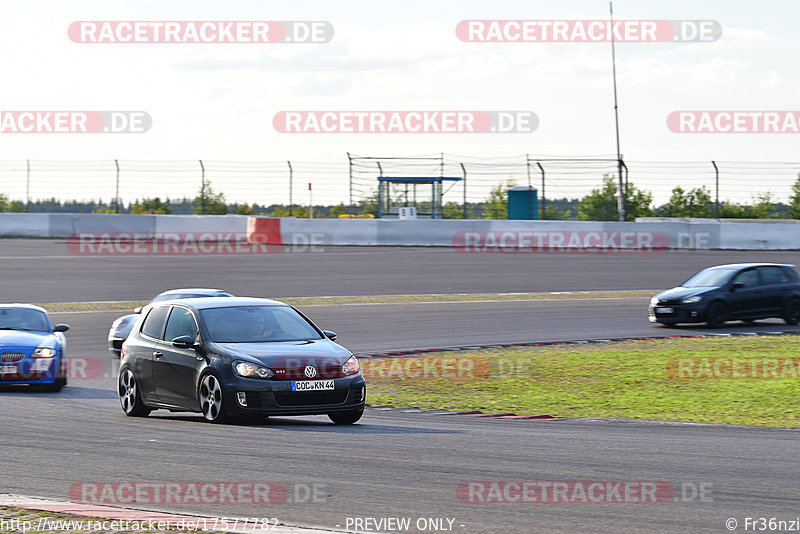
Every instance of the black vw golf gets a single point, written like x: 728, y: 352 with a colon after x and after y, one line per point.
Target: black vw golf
x: 229, y: 357
x: 740, y: 291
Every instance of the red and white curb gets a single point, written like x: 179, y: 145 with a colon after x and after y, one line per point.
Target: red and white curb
x: 472, y: 413
x: 132, y: 515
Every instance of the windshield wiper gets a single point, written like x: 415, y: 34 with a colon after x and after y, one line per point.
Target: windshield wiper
x: 17, y: 328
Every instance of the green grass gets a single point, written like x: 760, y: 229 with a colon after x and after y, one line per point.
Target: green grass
x: 635, y: 379
x: 128, y: 306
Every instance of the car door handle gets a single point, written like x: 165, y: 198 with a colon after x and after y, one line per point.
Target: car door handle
x: 157, y: 354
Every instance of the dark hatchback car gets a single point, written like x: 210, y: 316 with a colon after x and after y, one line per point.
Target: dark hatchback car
x: 122, y: 326
x: 741, y: 291
x: 236, y: 357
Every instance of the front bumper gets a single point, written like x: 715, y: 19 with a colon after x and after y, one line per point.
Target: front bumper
x: 32, y: 371
x: 275, y: 397
x: 678, y: 313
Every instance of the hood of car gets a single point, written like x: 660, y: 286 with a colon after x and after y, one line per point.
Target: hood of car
x: 677, y: 293
x: 21, y: 339
x: 289, y: 353
x: 127, y: 319
x: 294, y: 360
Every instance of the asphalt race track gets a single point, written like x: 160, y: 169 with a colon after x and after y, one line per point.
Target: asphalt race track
x: 45, y: 270
x: 394, y: 463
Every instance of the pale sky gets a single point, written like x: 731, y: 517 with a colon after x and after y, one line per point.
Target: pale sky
x: 216, y: 102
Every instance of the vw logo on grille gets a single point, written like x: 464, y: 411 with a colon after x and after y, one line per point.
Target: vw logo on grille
x: 310, y: 371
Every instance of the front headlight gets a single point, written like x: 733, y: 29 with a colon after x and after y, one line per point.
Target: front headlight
x: 350, y: 367
x: 44, y: 352
x: 691, y: 300
x: 654, y: 301
x: 251, y: 370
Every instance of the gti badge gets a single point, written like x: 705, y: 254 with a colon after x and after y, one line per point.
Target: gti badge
x: 310, y: 371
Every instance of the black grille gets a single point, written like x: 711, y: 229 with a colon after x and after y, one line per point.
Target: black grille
x: 310, y: 398
x: 12, y: 357
x: 257, y: 400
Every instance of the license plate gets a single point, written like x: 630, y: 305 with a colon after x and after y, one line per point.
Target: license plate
x: 665, y: 310
x: 312, y: 385
x: 8, y: 369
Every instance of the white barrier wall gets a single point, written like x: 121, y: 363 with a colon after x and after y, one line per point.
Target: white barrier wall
x: 62, y: 225
x: 700, y: 235
x: 24, y: 224
x: 673, y: 233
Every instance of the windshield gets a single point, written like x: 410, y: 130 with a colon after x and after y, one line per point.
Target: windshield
x: 709, y: 278
x: 257, y: 324
x: 23, y: 319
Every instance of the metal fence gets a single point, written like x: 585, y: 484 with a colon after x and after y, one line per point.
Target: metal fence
x: 349, y: 181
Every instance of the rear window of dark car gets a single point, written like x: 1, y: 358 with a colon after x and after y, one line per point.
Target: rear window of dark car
x: 154, y: 323
x: 773, y: 275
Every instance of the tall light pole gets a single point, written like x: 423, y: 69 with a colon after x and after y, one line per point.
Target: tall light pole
x: 621, y: 192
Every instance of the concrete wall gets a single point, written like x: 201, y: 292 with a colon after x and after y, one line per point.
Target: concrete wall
x: 62, y: 225
x: 567, y: 235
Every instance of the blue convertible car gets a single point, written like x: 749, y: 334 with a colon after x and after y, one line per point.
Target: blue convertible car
x: 32, y: 350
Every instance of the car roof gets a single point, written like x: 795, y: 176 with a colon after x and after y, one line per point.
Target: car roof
x: 203, y: 303
x: 746, y: 265
x: 192, y: 290
x: 24, y: 306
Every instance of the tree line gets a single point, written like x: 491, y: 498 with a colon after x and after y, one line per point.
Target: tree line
x: 599, y: 205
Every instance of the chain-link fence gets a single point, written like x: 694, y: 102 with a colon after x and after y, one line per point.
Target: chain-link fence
x: 32, y: 184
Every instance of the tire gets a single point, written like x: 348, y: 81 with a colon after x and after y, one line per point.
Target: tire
x: 716, y: 315
x: 130, y: 398
x: 791, y: 312
x: 346, y: 418
x: 211, y: 402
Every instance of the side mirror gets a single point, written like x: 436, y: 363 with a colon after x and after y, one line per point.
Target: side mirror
x: 736, y: 285
x: 61, y: 328
x: 330, y: 335
x: 183, y: 342
x: 138, y: 310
